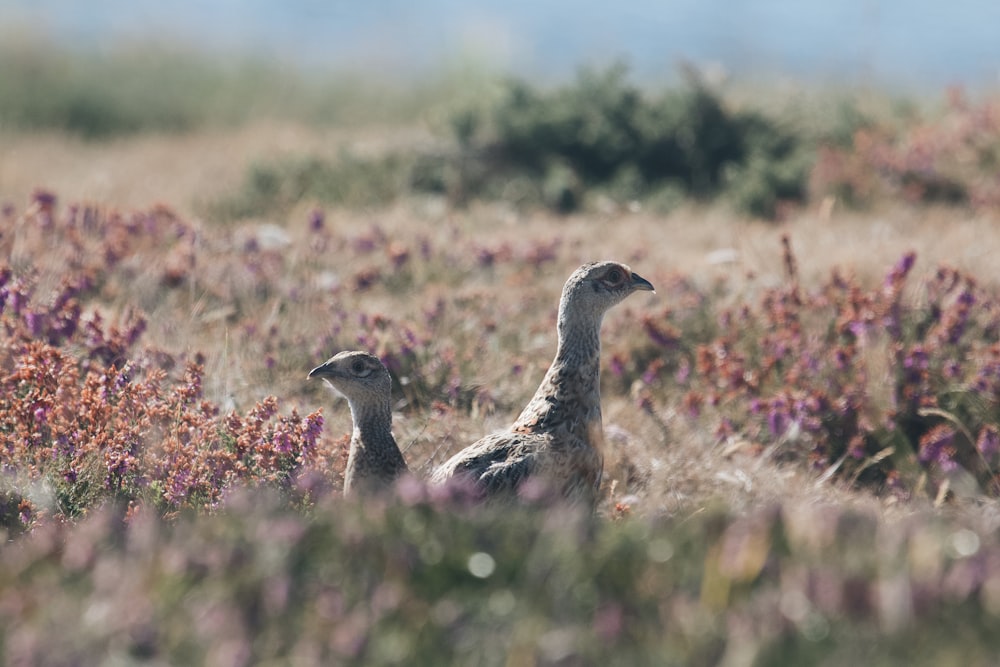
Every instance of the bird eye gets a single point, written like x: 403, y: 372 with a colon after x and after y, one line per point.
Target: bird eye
x: 615, y: 276
x: 359, y: 368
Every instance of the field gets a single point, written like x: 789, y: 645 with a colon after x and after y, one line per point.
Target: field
x: 803, y: 422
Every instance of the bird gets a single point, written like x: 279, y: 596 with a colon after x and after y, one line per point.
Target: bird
x: 374, y: 462
x: 557, y: 439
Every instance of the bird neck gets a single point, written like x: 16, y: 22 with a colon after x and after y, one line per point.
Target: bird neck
x: 571, y: 385
x: 372, y: 426
x: 579, y: 340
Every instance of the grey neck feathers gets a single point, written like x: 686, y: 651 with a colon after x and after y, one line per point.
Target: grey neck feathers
x: 570, y: 392
x: 579, y: 338
x: 372, y: 425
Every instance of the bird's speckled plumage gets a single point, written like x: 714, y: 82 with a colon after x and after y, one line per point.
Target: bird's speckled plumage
x: 374, y: 461
x: 558, y: 437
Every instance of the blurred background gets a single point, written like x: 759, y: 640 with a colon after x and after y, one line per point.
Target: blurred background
x: 918, y: 44
x: 767, y: 104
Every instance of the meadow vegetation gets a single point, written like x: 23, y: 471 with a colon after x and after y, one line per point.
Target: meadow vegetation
x: 803, y: 423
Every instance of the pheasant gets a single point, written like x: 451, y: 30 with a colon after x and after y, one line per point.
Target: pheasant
x: 374, y: 461
x: 557, y: 439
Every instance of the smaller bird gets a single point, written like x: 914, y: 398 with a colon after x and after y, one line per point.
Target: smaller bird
x: 375, y: 461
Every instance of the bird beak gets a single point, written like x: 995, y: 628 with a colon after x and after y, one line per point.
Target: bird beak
x: 640, y: 283
x: 322, y: 371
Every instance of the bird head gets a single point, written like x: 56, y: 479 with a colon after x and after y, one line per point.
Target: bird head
x: 356, y: 375
x: 594, y: 288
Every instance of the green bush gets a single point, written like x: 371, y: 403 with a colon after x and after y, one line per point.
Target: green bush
x: 602, y: 132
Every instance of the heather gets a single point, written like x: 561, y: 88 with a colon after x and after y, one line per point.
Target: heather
x: 802, y: 424
x: 414, y: 580
x: 890, y: 386
x: 199, y: 483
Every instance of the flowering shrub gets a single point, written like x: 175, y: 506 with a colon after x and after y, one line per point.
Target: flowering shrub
x: 874, y: 384
x: 412, y: 580
x: 952, y: 159
x: 87, y: 415
x: 866, y: 383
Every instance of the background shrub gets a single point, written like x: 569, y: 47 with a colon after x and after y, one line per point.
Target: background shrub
x: 611, y: 136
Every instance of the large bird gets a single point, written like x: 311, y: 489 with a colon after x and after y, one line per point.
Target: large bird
x: 557, y: 440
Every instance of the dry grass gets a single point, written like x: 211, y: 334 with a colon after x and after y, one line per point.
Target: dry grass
x: 182, y: 169
x: 656, y: 465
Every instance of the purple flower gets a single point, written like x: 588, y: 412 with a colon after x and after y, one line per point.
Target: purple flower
x: 660, y: 336
x: 314, y: 427
x: 485, y: 257
x: 63, y: 445
x: 178, y: 487
x: 40, y: 414
x: 988, y: 442
x: 283, y: 444
x: 18, y: 300
x: 45, y: 199
x: 778, y: 417
x: 135, y: 331
x: 917, y: 359
x: 776, y: 421
x: 937, y: 446
x: 899, y: 272
x: 915, y: 363
x: 121, y: 379
x: 35, y: 322
x: 856, y: 448
x: 652, y: 371
x: 952, y: 369
x: 957, y: 324
x: 317, y: 219
x: 857, y: 328
x: 683, y: 372
x: 411, y: 339
x: 987, y: 377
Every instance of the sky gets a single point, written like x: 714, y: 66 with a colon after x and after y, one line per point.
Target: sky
x: 908, y: 43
